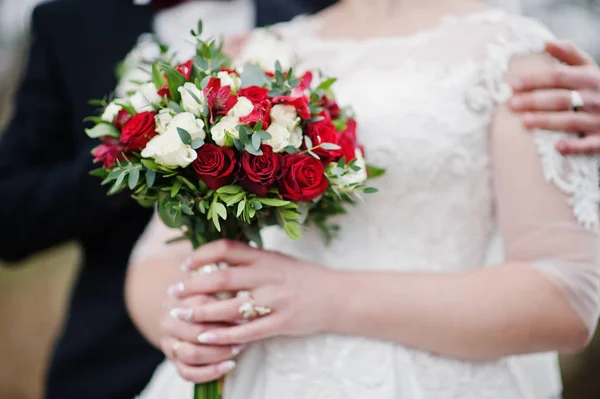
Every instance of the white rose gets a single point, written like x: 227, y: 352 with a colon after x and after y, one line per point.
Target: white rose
x: 143, y: 99
x: 188, y: 122
x: 242, y: 108
x: 188, y: 102
x: 353, y: 177
x: 230, y: 80
x: 129, y: 82
x: 285, y: 115
x: 167, y: 149
x: 225, y: 127
x: 112, y: 110
x: 280, y: 137
x: 264, y: 48
x: 296, y: 137
x: 162, y: 119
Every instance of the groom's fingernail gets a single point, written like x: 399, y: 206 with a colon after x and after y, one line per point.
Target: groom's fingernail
x: 185, y: 314
x: 176, y: 290
x: 207, y: 338
x: 236, y: 350
x: 226, y: 367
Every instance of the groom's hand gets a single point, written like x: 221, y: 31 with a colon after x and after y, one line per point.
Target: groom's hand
x: 544, y: 98
x: 195, y: 362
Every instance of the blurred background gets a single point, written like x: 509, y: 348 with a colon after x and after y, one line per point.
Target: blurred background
x: 33, y: 296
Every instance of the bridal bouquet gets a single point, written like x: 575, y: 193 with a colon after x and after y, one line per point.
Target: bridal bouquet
x: 223, y: 152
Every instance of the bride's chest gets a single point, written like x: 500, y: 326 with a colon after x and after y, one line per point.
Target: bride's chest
x: 423, y: 120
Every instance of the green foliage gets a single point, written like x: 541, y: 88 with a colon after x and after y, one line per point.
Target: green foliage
x: 103, y: 130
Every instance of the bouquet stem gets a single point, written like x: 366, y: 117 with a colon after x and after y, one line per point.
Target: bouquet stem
x: 209, y: 390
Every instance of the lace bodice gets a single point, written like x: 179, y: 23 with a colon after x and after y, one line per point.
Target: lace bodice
x: 425, y: 105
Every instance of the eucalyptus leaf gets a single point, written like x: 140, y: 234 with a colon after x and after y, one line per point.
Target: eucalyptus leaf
x: 291, y: 149
x: 134, y: 177
x: 330, y: 146
x: 370, y: 190
x: 238, y: 145
x: 185, y: 136
x: 195, y: 97
x: 197, y: 143
x: 256, y: 141
x: 150, y: 177
x: 175, y: 107
x: 204, y: 82
x: 275, y: 93
x: 250, y: 149
x: 308, y: 142
x: 292, y: 229
x: 253, y: 75
x: 257, y: 205
x: 264, y: 135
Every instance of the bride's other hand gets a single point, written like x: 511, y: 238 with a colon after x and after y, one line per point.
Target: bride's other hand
x: 195, y: 362
x: 298, y: 293
x: 544, y: 98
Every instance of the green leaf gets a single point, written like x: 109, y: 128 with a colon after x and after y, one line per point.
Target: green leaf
x: 258, y: 126
x: 150, y: 177
x: 273, y: 202
x: 197, y: 143
x: 127, y: 107
x: 253, y: 75
x: 264, y: 135
x: 342, y: 162
x: 256, y: 141
x: 235, y: 199
x: 278, y: 66
x: 326, y: 84
x: 249, y: 148
x: 185, y: 136
x: 292, y: 229
x: 204, y: 82
x: 220, y: 210
x: 291, y: 149
x: 176, y: 187
x: 200, y: 28
x: 100, y: 172
x: 157, y: 77
x: 374, y: 172
x: 308, y: 142
x: 241, y: 207
x: 238, y: 145
x: 257, y: 205
x: 187, y: 210
x: 330, y: 146
x: 149, y: 164
x: 134, y: 177
x: 195, y: 97
x: 102, y: 130
x: 175, y: 107
x: 275, y: 93
x: 370, y: 190
x: 290, y: 215
x: 94, y: 119
x: 317, y: 118
x: 232, y: 189
x: 174, y: 79
x: 121, y: 178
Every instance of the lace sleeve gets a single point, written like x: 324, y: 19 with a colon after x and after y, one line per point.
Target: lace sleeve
x: 548, y: 210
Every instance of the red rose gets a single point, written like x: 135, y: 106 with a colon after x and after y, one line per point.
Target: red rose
x: 300, y: 103
x: 220, y: 99
x: 254, y: 93
x: 108, y: 152
x: 122, y: 118
x: 304, y: 178
x: 229, y: 71
x: 215, y: 165
x: 324, y: 132
x: 138, y: 131
x: 348, y: 141
x: 305, y: 83
x: 261, y: 112
x: 259, y: 173
x: 185, y: 70
x: 332, y: 107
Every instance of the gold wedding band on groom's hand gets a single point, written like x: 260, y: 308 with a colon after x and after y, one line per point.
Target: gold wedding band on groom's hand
x: 577, y: 102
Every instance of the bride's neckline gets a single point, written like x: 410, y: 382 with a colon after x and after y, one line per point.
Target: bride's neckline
x: 311, y: 26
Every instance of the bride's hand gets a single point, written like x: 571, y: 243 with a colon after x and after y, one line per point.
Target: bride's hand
x: 195, y: 362
x: 300, y: 295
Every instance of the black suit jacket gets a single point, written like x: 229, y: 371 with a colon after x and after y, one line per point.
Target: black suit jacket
x: 47, y: 196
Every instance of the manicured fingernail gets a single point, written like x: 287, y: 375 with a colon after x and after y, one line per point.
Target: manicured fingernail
x: 517, y: 84
x: 529, y: 120
x: 176, y: 290
x: 226, y: 367
x: 516, y: 103
x: 184, y: 314
x: 236, y: 350
x: 186, y: 266
x: 207, y: 338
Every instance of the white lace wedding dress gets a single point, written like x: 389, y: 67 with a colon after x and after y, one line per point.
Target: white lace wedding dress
x: 425, y: 105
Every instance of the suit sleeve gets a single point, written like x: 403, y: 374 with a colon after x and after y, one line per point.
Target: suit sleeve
x: 46, y: 194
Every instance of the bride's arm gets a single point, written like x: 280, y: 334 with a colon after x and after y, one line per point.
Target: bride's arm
x: 153, y: 266
x: 544, y: 298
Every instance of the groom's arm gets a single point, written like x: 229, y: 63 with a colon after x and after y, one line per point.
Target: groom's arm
x: 46, y: 194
